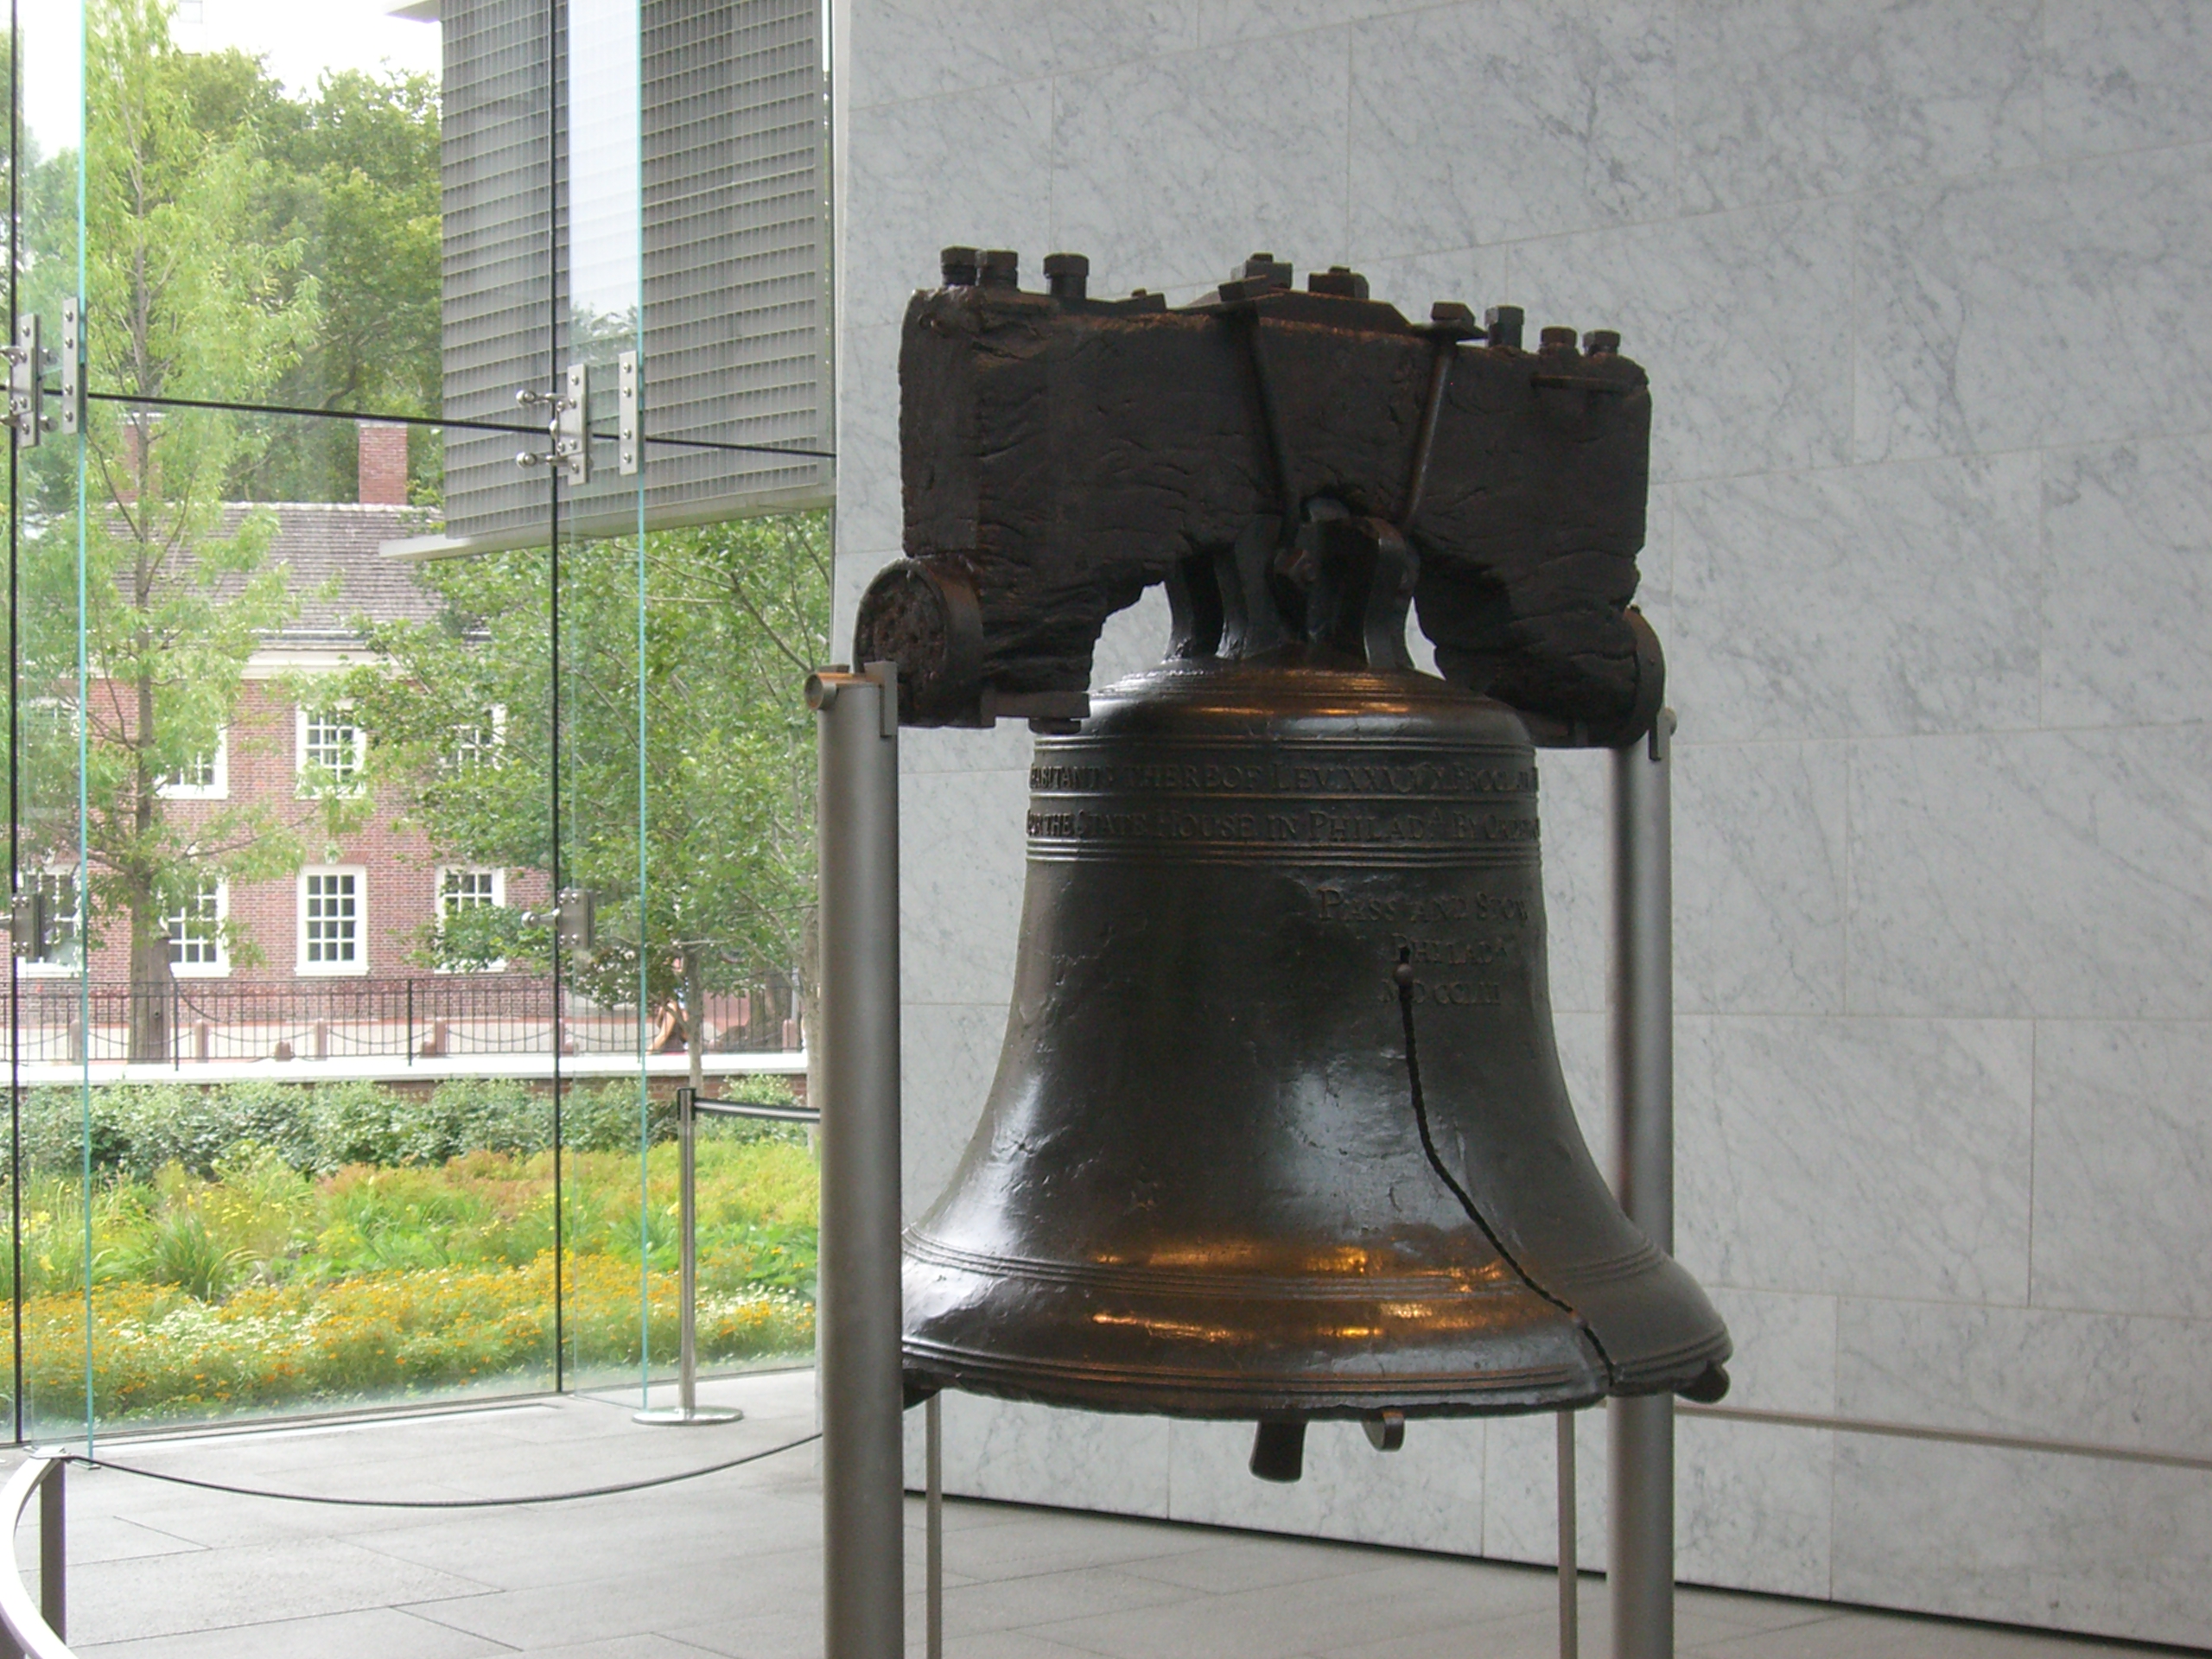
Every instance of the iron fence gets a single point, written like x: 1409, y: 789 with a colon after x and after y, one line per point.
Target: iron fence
x: 430, y: 1017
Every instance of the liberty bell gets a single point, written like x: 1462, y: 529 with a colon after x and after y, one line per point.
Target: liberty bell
x: 1279, y: 1130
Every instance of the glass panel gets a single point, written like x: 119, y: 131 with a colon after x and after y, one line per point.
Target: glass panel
x: 320, y: 1129
x: 737, y: 614
x: 620, y: 1246
x: 47, y: 1193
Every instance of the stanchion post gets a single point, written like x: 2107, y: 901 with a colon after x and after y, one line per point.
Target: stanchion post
x: 1570, y: 1567
x: 863, y: 1485
x: 1640, y: 1432
x: 53, y: 1549
x: 687, y: 1409
x: 933, y: 1519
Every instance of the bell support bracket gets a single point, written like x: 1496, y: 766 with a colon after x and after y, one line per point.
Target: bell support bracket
x: 1277, y: 458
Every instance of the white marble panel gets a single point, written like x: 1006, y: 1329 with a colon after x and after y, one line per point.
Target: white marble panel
x: 849, y: 579
x: 1789, y: 98
x: 1221, y: 21
x: 1741, y: 319
x: 1759, y: 878
x: 2055, y: 874
x: 1173, y: 170
x: 2123, y: 1202
x: 1133, y: 640
x: 1785, y: 1357
x: 1858, y: 602
x: 1825, y: 1155
x: 1414, y: 282
x: 2126, y: 74
x: 2098, y: 1379
x: 1428, y: 1495
x: 2051, y: 305
x: 961, y: 864
x: 1752, y: 1505
x: 870, y: 513
x: 1521, y: 1490
x: 949, y: 1053
x: 1006, y: 746
x: 2126, y: 583
x: 919, y: 48
x: 1507, y: 118
x: 1034, y: 1454
x: 2066, y: 1542
x: 970, y: 168
x: 1572, y: 787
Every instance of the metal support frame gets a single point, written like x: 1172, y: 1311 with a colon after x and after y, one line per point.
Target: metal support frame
x: 863, y: 1485
x: 1570, y: 1567
x: 1640, y: 1430
x: 933, y: 1515
x: 39, y: 1632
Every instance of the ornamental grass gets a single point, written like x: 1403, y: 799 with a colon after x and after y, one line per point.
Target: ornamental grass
x: 261, y: 1287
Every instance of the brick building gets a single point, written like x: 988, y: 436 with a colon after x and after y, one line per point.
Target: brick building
x: 357, y: 907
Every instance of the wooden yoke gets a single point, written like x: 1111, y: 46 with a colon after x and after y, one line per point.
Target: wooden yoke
x: 1061, y: 453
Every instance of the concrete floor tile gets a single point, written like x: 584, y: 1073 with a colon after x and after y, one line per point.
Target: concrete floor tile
x: 730, y: 1566
x: 1854, y: 1635
x: 1309, y: 1616
x: 372, y: 1633
x: 652, y: 1646
x: 1052, y: 1597
x: 99, y: 1538
x: 162, y: 1595
x: 1253, y: 1563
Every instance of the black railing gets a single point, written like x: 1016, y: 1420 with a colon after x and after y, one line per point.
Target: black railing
x: 428, y: 1018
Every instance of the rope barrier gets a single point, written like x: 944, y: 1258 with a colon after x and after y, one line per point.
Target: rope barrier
x: 443, y: 1503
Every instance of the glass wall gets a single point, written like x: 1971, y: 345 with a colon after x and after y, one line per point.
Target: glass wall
x: 409, y: 786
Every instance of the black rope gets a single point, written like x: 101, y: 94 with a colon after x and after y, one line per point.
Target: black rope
x: 1404, y: 977
x: 443, y: 1503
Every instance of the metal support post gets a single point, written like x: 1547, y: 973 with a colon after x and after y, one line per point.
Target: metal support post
x: 863, y: 1484
x: 1641, y: 1431
x: 53, y: 1549
x: 687, y: 1409
x: 933, y: 1512
x: 1570, y: 1568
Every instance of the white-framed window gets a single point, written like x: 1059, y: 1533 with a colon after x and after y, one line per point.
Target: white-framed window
x: 470, y: 886
x: 206, y: 777
x: 196, y: 948
x: 477, y: 742
x: 333, y: 748
x: 57, y: 950
x: 334, y: 919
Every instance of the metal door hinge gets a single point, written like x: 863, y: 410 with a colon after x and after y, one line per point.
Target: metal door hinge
x: 26, y: 382
x: 71, y: 417
x: 629, y: 424
x: 27, y: 924
x: 568, y: 422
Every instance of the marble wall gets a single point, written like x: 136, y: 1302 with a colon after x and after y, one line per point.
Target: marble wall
x: 1920, y: 289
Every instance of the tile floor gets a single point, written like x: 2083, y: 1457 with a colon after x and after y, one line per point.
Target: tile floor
x: 731, y: 1564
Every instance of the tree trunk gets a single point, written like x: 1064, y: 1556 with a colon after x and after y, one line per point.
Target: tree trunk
x: 151, y: 987
x: 695, y: 1016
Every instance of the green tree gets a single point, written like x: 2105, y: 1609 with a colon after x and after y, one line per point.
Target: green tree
x: 736, y: 615
x: 185, y: 301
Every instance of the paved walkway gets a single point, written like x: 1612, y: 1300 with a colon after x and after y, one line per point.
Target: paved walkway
x: 731, y: 1564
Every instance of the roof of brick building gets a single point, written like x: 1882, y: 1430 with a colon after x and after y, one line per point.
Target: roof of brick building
x: 336, y: 574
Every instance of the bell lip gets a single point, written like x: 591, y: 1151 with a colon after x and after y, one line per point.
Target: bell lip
x: 1238, y: 1400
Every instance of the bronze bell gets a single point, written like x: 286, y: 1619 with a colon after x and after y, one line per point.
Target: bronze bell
x: 1278, y: 1131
